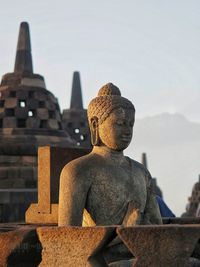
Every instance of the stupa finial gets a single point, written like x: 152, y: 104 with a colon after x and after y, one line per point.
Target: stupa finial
x: 23, y: 60
x: 76, y: 95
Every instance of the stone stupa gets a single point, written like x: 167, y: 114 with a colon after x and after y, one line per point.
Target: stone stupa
x: 74, y: 119
x: 29, y: 117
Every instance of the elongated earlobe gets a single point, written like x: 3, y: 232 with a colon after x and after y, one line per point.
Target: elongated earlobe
x: 94, y: 131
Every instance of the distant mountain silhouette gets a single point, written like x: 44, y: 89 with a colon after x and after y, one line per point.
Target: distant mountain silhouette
x: 172, y: 144
x: 166, y: 129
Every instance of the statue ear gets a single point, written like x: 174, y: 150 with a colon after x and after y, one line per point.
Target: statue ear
x: 94, y: 125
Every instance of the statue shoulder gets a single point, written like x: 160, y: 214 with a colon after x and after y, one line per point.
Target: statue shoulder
x: 140, y: 169
x: 79, y: 169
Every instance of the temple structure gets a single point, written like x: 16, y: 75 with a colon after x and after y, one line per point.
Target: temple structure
x: 193, y: 206
x: 154, y: 180
x: 74, y: 119
x: 29, y: 117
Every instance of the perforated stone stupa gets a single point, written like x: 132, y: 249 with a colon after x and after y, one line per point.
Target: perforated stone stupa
x: 75, y: 120
x: 193, y: 206
x: 29, y: 117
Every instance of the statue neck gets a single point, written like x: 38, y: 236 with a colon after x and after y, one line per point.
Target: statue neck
x: 117, y: 156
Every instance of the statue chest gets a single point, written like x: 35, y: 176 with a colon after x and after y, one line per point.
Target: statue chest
x: 112, y: 189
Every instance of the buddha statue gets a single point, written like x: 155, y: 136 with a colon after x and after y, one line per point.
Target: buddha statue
x: 105, y: 187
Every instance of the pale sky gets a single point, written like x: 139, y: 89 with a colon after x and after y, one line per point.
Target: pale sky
x: 149, y: 48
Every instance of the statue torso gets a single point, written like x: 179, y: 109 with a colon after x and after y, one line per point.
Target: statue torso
x: 113, y: 187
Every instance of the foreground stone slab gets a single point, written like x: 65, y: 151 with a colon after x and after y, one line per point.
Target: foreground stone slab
x: 74, y: 246
x: 19, y: 247
x: 161, y: 246
x: 51, y: 160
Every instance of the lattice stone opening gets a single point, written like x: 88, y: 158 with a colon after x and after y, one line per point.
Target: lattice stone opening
x: 82, y: 124
x: 22, y: 103
x: 2, y: 103
x: 52, y: 114
x: 31, y: 113
x: 41, y: 104
x: 12, y: 94
x: 82, y: 137
x: 9, y: 112
x: 31, y: 94
x: 59, y: 125
x: 57, y: 106
x: 21, y: 123
x: 77, y: 130
x: 43, y: 124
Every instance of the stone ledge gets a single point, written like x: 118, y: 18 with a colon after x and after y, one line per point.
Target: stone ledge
x: 151, y: 245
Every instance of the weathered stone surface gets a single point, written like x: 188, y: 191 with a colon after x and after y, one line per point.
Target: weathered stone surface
x: 161, y: 246
x: 52, y: 124
x: 74, y: 246
x: 50, y: 105
x: 22, y: 94
x: 33, y: 123
x: 51, y: 160
x: 114, y: 189
x: 2, y: 113
x: 20, y: 247
x: 21, y: 113
x: 42, y: 113
x: 9, y: 122
x: 11, y: 102
x: 32, y: 103
x: 76, y: 116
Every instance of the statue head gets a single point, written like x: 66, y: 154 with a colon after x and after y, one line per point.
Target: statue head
x: 111, y: 118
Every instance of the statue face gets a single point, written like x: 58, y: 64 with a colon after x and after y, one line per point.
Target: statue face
x: 116, y: 131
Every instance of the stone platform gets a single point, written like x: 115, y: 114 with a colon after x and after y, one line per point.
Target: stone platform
x: 49, y: 245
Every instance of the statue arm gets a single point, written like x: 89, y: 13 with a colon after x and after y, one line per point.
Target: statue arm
x: 151, y: 212
x: 72, y: 197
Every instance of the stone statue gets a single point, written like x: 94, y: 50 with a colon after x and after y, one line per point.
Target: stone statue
x: 105, y: 187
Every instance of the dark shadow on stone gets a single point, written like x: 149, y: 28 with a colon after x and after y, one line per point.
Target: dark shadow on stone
x: 28, y: 254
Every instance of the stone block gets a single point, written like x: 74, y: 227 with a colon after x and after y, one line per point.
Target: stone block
x: 32, y: 103
x: 17, y: 197
x: 21, y: 113
x: 12, y: 183
x: 161, y: 245
x: 53, y: 124
x: 29, y: 160
x: 42, y: 113
x: 14, y: 172
x: 50, y: 105
x: 52, y: 98
x: 58, y: 116
x: 26, y: 172
x: 74, y: 246
x: 2, y: 113
x: 4, y: 197
x: 51, y: 160
x: 11, y: 102
x: 9, y: 122
x: 20, y: 247
x: 3, y: 172
x: 22, y: 94
x: 33, y: 123
x: 40, y: 95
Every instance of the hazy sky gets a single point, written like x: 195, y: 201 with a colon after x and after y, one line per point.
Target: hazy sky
x: 150, y: 49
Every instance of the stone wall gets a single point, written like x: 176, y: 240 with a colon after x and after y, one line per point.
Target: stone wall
x: 155, y: 246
